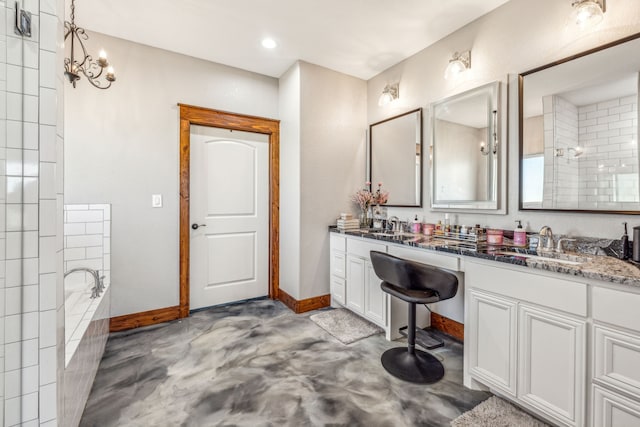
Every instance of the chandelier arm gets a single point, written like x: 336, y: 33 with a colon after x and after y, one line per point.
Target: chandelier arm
x: 95, y: 82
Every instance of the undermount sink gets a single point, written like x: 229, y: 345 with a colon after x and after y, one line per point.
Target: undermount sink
x: 559, y: 258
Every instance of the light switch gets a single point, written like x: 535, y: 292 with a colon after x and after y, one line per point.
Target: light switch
x: 156, y: 200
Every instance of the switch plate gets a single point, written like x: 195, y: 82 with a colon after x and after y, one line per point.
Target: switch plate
x: 156, y: 200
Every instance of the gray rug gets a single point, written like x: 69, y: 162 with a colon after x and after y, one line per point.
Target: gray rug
x: 346, y: 326
x: 495, y: 412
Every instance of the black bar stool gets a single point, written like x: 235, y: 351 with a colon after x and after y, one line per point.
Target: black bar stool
x: 414, y: 283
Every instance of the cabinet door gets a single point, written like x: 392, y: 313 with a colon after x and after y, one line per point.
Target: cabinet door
x: 356, y: 276
x: 552, y: 363
x: 375, y: 306
x: 612, y: 410
x: 338, y: 290
x: 492, y: 338
x: 616, y: 358
x: 337, y: 264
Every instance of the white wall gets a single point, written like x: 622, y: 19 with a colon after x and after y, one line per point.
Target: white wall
x: 332, y: 136
x: 122, y: 147
x: 289, y: 104
x: 322, y: 152
x: 514, y: 38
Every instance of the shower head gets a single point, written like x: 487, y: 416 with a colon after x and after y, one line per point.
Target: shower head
x: 577, y: 152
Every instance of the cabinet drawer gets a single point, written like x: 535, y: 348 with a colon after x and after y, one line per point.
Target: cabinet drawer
x: 616, y: 359
x: 338, y: 290
x: 612, y: 410
x: 616, y: 307
x: 427, y: 257
x: 337, y: 242
x: 362, y: 249
x: 338, y: 264
x: 551, y: 292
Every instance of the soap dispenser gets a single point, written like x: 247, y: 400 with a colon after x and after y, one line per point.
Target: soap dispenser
x: 519, y: 235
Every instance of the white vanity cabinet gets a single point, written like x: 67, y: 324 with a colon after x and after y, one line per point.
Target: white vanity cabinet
x: 616, y: 358
x: 525, y: 338
x: 354, y: 283
x: 338, y: 268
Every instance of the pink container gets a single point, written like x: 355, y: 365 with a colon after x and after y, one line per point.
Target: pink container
x: 494, y: 237
x: 427, y: 229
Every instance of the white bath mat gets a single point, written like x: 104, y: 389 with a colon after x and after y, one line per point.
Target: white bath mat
x: 344, y: 325
x: 495, y: 412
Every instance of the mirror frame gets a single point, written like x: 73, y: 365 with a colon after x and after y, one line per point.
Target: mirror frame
x: 421, y: 139
x: 497, y: 206
x: 521, y: 77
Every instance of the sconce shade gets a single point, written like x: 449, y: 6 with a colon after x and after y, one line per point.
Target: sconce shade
x: 588, y: 13
x: 389, y: 94
x: 457, y: 64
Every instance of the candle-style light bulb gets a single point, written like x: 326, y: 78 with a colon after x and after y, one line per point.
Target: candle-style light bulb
x: 102, y: 58
x: 111, y: 75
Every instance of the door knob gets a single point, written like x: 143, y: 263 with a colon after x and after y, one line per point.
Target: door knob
x: 196, y: 226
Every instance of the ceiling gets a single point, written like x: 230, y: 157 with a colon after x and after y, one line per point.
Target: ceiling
x: 357, y: 37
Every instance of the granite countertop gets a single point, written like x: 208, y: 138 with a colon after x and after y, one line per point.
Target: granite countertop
x: 583, y: 262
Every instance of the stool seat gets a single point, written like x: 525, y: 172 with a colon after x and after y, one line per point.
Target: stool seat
x: 418, y: 296
x: 414, y: 283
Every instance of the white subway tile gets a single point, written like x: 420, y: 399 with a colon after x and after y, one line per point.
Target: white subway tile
x: 95, y: 264
x: 13, y: 273
x: 47, y: 328
x: 48, y: 400
x: 76, y: 207
x: 75, y: 229
x: 14, y: 78
x: 84, y: 241
x: 48, y: 69
x: 30, y: 189
x: 21, y: 354
x: 48, y: 106
x: 30, y: 162
x: 47, y: 255
x: 30, y: 273
x: 30, y: 219
x: 608, y: 104
x: 21, y: 327
x: 30, y: 108
x: 14, y: 217
x: 47, y: 143
x: 47, y: 226
x: 30, y: 132
x: 14, y: 161
x: 95, y: 227
x: 29, y: 407
x: 30, y: 248
x: 48, y: 6
x: 47, y: 181
x: 48, y: 27
x: 620, y: 124
x: 84, y: 216
x: 47, y: 291
x: 47, y: 365
x: 14, y: 245
x: 94, y: 252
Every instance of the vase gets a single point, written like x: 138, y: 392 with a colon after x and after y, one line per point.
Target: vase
x: 364, y: 218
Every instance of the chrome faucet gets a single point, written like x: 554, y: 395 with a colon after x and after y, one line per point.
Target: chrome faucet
x: 547, y: 234
x: 559, y: 247
x: 395, y: 222
x: 97, y: 279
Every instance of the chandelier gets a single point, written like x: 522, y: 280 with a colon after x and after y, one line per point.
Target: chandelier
x: 84, y: 63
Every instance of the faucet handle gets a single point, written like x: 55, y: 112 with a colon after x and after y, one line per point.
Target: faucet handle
x: 559, y: 247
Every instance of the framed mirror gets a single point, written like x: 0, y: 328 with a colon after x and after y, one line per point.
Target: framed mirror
x: 579, y: 132
x: 466, y: 150
x: 395, y: 158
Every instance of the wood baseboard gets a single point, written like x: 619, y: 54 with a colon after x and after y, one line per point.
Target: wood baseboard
x: 305, y: 304
x: 145, y: 318
x: 448, y: 326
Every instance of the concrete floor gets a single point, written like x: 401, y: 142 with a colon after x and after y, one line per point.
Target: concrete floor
x: 259, y: 364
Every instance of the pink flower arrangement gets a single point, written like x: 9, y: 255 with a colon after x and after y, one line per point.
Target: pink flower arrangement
x: 365, y: 198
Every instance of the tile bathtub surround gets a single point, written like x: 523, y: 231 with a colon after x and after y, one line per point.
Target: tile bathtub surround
x: 257, y: 363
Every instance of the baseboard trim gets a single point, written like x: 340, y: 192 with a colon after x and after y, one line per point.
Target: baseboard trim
x: 448, y: 326
x: 145, y: 318
x: 304, y: 305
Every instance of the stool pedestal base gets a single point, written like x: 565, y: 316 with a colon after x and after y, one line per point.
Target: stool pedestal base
x: 419, y: 368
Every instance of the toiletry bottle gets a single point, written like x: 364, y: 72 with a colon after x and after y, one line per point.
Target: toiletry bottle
x: 624, y: 242
x: 636, y: 244
x: 519, y: 235
x: 415, y: 226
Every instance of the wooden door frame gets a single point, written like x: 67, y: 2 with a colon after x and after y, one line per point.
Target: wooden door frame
x: 191, y: 115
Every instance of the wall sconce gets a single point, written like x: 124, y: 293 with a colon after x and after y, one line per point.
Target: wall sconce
x: 484, y: 150
x: 458, y: 63
x: 85, y: 64
x: 577, y: 151
x: 588, y: 13
x: 389, y: 94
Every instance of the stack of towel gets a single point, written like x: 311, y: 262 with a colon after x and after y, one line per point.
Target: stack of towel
x: 346, y: 222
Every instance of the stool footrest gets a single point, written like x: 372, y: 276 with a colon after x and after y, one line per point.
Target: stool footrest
x: 423, y: 338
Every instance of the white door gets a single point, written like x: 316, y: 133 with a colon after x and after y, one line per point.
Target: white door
x: 229, y: 211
